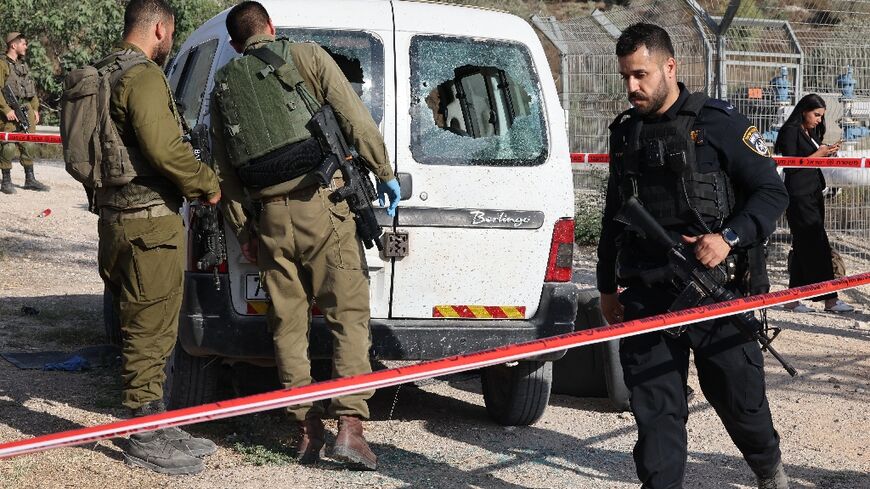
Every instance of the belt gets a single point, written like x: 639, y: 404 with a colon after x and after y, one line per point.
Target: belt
x: 337, y: 182
x: 117, y: 215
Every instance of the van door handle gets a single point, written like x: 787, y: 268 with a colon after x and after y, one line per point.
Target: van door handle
x: 406, y: 184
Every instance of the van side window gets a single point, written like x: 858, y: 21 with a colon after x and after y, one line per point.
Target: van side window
x: 188, y: 79
x: 360, y: 55
x: 475, y: 102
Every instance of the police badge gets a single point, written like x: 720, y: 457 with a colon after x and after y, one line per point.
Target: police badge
x: 752, y: 138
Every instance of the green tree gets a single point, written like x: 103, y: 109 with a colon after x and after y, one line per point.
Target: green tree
x: 62, y: 36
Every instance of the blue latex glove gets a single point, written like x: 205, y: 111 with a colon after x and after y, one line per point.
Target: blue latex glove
x: 389, y: 189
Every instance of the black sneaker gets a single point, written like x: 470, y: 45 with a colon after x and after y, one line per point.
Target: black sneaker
x: 155, y: 451
x: 195, y: 447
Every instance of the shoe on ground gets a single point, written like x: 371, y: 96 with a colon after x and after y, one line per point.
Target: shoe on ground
x: 31, y: 183
x: 195, y: 447
x: 776, y: 481
x: 351, y: 447
x: 155, y: 451
x: 840, y: 306
x: 798, y: 308
x: 312, y: 437
x: 6, y: 184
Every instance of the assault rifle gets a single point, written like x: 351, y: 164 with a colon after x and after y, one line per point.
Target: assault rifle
x: 358, y: 190
x: 20, y: 110
x: 211, y: 247
x: 694, y: 279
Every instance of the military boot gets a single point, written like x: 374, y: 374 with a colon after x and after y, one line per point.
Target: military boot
x: 31, y: 183
x: 312, y: 436
x: 180, y: 439
x: 6, y: 186
x: 351, y: 446
x: 778, y: 480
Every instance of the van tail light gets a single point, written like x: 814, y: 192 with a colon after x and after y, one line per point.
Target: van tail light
x: 561, y: 252
x: 207, y: 243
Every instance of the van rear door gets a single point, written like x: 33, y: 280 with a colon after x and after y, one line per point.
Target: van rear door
x: 490, y: 176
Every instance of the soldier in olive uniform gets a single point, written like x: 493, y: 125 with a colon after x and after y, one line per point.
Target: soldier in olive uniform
x: 307, y: 248
x: 15, y: 74
x: 141, y: 254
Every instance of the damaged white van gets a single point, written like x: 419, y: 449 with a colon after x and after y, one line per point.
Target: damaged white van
x: 480, y: 253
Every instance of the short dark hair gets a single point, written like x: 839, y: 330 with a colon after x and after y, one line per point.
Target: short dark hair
x: 245, y: 20
x: 652, y: 36
x: 141, y: 13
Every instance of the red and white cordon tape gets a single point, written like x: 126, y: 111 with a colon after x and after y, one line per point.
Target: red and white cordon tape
x: 420, y: 371
x: 781, y: 161
x: 576, y: 158
x: 22, y: 137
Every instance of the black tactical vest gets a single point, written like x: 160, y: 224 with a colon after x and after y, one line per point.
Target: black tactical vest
x: 657, y: 164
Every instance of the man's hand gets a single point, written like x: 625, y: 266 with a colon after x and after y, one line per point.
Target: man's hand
x: 213, y: 200
x: 249, y: 249
x: 710, y: 249
x: 389, y: 189
x: 35, y: 118
x: 611, y: 308
x: 10, y: 116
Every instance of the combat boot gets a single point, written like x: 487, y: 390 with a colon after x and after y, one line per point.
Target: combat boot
x: 6, y: 186
x: 778, y: 480
x: 351, y: 446
x: 31, y: 183
x: 312, y: 436
x: 178, y: 438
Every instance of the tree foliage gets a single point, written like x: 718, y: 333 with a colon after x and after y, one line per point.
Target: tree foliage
x: 66, y: 35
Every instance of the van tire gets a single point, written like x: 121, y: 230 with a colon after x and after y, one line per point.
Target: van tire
x: 518, y: 395
x: 595, y: 370
x: 190, y: 380
x: 617, y: 391
x: 111, y: 321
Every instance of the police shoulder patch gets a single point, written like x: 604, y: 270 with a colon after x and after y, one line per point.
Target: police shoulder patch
x: 753, y: 139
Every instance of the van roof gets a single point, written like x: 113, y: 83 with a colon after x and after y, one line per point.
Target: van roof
x: 413, y: 16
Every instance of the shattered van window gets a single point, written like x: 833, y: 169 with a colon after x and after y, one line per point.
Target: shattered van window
x: 360, y: 55
x: 475, y: 102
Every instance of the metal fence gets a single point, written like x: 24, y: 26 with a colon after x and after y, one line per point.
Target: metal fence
x: 762, y: 56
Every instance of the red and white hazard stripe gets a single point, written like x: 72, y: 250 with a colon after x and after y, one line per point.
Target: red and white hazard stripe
x: 424, y: 370
x: 21, y: 137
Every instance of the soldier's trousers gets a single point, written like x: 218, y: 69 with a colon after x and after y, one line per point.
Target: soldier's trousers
x: 309, y: 252
x: 8, y: 150
x: 142, y: 263
x: 731, y: 373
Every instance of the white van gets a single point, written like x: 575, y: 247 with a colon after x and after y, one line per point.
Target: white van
x: 480, y: 252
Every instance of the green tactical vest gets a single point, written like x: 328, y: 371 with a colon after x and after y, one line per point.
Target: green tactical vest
x: 20, y: 81
x: 246, y: 90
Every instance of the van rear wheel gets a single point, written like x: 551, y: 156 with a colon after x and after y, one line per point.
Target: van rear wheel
x: 190, y: 380
x: 517, y: 395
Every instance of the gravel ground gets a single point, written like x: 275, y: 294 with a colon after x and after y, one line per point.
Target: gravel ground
x: 430, y: 434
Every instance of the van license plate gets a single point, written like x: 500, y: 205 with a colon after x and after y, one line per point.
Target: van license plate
x: 253, y: 290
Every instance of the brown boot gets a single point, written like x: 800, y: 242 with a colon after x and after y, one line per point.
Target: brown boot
x: 351, y: 446
x: 311, y: 441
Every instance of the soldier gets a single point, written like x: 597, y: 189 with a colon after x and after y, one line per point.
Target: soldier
x: 15, y: 74
x: 705, y: 174
x: 141, y: 255
x: 307, y: 247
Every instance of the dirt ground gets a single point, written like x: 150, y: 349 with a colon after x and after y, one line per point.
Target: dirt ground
x: 431, y: 434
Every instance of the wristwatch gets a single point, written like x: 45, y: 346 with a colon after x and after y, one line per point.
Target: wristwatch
x: 730, y: 237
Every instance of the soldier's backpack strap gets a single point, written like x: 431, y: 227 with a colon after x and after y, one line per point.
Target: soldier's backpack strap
x: 287, y: 74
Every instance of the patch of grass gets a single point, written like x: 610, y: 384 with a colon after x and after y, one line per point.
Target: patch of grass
x: 259, y: 455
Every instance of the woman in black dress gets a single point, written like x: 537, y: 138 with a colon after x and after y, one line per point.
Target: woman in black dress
x: 802, y: 135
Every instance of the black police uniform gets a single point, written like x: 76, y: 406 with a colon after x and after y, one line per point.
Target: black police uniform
x: 734, y: 185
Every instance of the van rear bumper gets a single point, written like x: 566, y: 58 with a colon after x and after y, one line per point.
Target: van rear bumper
x: 209, y: 326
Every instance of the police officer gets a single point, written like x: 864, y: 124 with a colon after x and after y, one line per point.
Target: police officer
x: 307, y: 249
x: 141, y: 253
x: 15, y: 74
x: 706, y: 175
